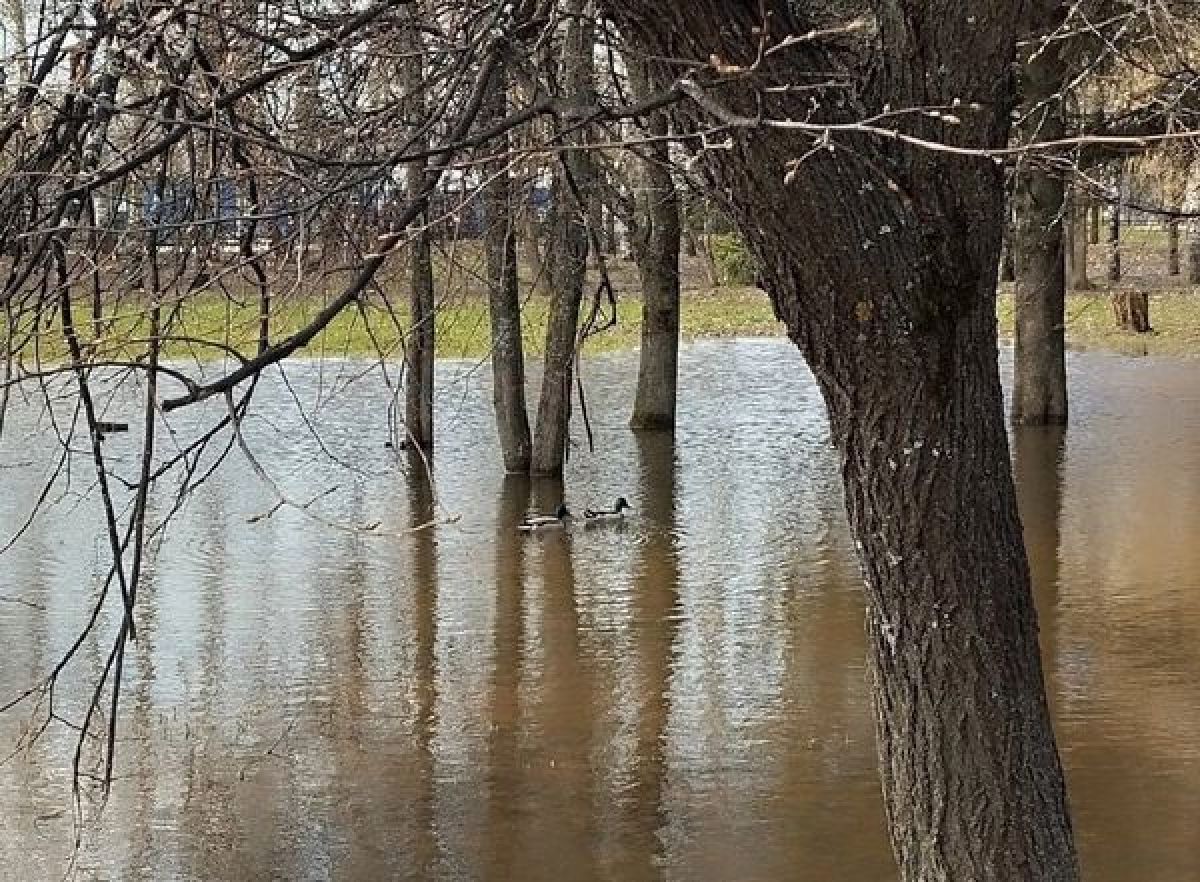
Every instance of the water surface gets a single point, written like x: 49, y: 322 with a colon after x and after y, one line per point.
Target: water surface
x: 681, y: 698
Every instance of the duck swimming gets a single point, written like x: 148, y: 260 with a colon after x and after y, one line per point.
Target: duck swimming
x: 546, y: 522
x: 616, y: 513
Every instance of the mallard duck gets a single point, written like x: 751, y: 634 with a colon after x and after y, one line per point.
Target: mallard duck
x: 545, y: 522
x: 616, y: 513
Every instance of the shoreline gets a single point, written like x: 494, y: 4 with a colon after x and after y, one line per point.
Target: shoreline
x: 706, y: 314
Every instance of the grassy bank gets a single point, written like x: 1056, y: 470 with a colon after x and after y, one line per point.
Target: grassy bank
x: 462, y: 325
x: 462, y: 329
x: 1174, y: 315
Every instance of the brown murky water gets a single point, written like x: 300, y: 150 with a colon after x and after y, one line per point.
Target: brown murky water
x: 679, y: 698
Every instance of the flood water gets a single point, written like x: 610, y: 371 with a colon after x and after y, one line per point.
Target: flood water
x: 679, y: 698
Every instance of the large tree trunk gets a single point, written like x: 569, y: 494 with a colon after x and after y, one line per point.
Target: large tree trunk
x: 1039, y: 357
x: 657, y: 256
x: 902, y: 341
x: 569, y: 243
x: 504, y: 302
x: 419, y: 342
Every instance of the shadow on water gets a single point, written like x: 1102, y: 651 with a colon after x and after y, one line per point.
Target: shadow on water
x: 424, y: 583
x: 656, y: 616
x: 566, y: 707
x: 1038, y: 457
x: 505, y: 795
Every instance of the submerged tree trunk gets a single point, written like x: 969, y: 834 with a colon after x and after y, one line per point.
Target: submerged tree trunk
x: 1039, y: 356
x: 419, y: 342
x: 419, y: 345
x: 657, y: 256
x: 569, y: 243
x: 504, y: 302
x: 902, y: 341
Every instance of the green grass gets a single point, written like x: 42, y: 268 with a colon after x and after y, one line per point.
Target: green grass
x: 462, y: 329
x: 1174, y: 316
x: 461, y: 326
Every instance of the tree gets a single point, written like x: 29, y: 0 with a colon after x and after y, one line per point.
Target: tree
x: 1077, y: 243
x: 504, y: 305
x: 420, y: 345
x: 569, y: 243
x: 1039, y: 357
x: 656, y: 246
x: 880, y: 255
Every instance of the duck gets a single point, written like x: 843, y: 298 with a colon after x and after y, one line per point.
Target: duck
x: 616, y: 513
x: 546, y: 522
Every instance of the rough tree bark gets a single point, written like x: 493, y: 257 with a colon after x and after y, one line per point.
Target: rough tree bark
x: 504, y: 303
x: 881, y: 259
x: 1039, y: 357
x: 419, y: 342
x: 657, y: 255
x: 569, y: 245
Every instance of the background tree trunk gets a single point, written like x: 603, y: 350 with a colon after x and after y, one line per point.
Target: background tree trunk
x: 1114, y: 228
x: 1068, y: 222
x: 1008, y: 262
x: 1039, y: 357
x: 687, y: 201
x: 658, y: 268
x: 572, y: 197
x: 902, y: 341
x: 1193, y: 253
x: 1131, y: 310
x: 419, y: 343
x: 1173, y: 247
x: 504, y: 303
x: 1077, y: 277
x: 1094, y: 224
